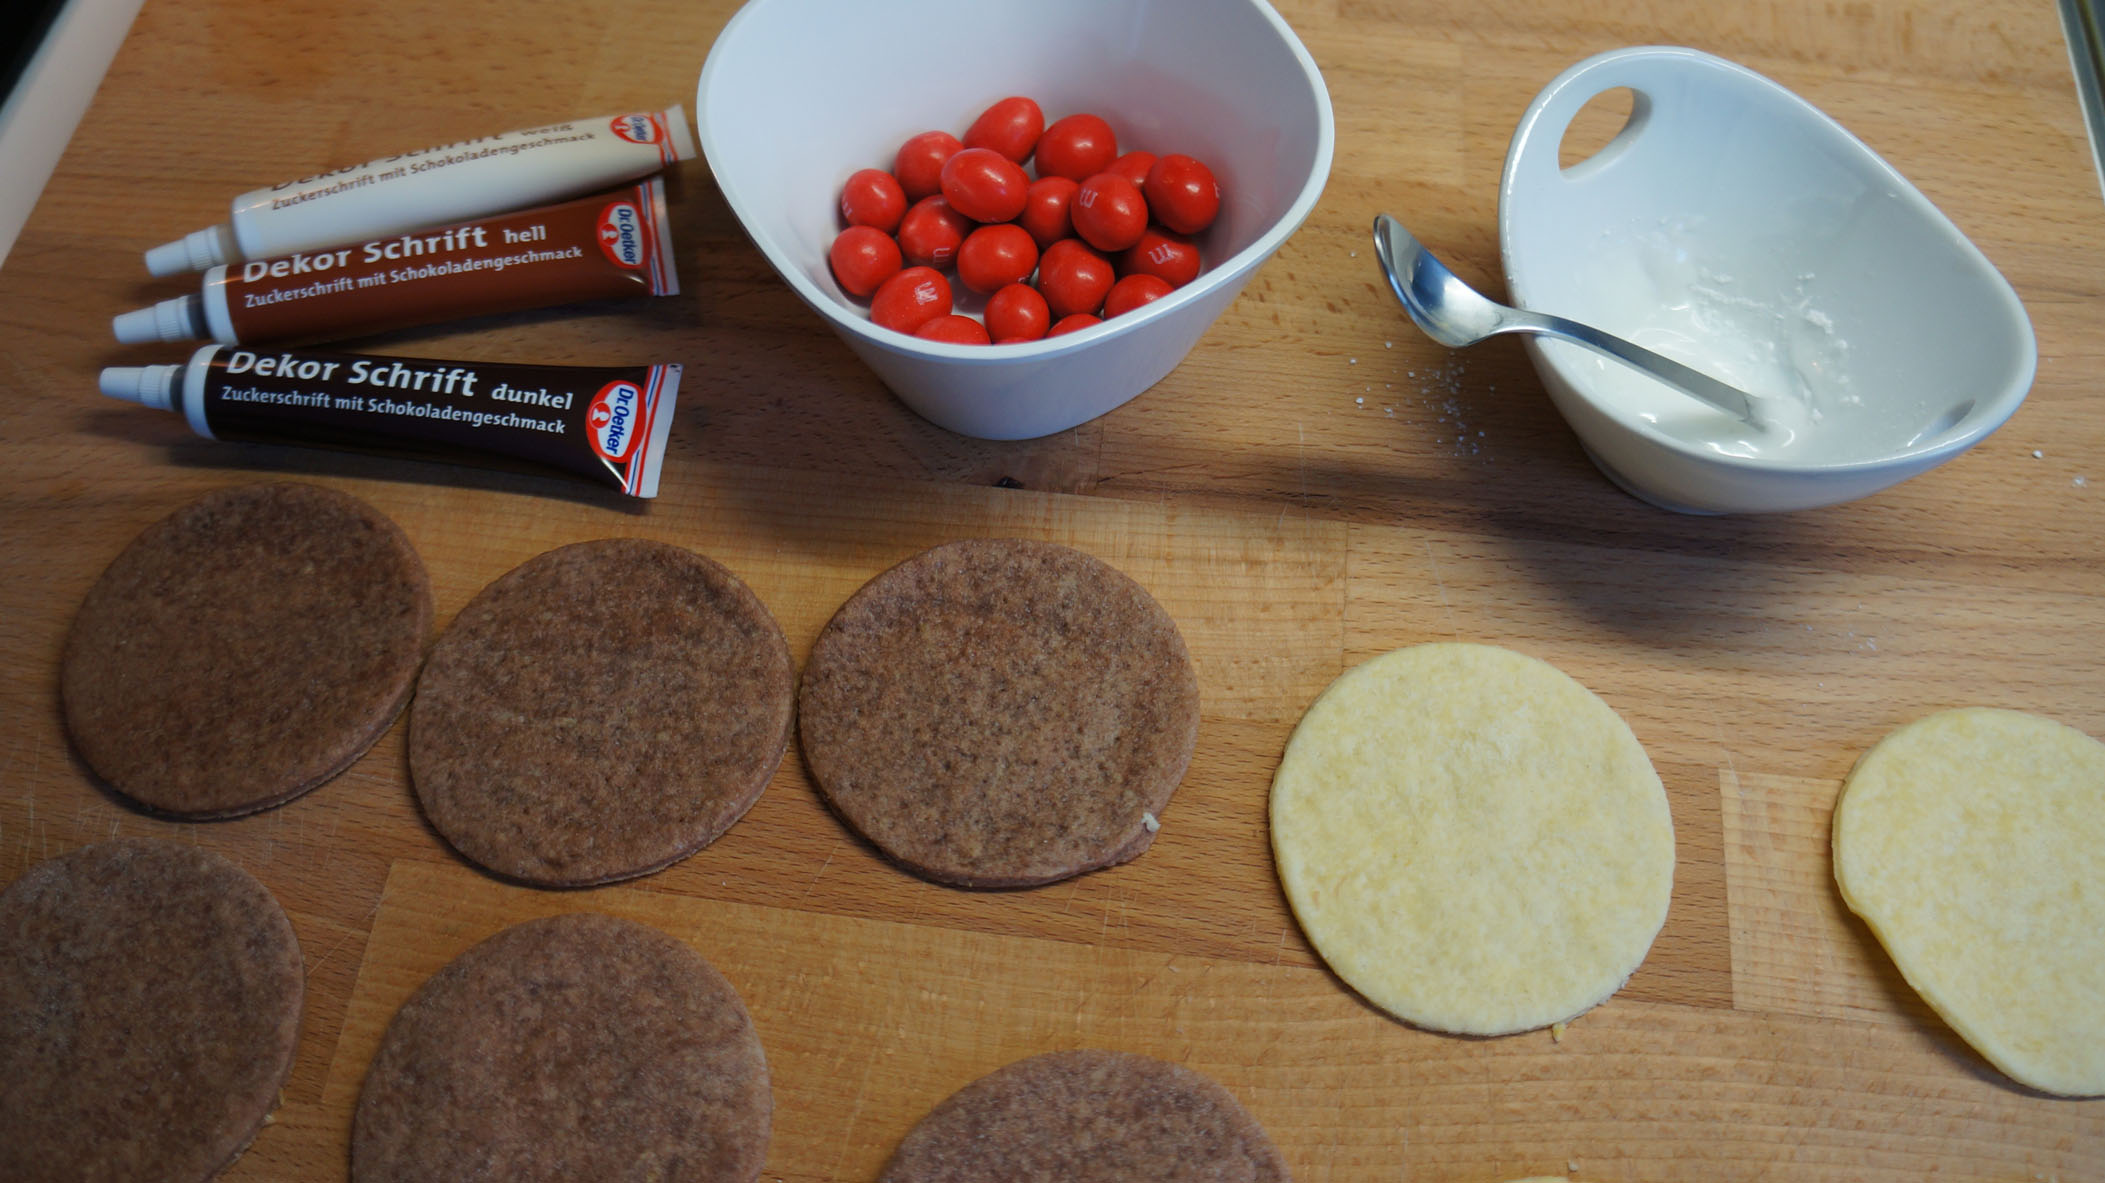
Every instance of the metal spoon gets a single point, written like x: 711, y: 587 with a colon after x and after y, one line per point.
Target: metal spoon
x: 1455, y: 314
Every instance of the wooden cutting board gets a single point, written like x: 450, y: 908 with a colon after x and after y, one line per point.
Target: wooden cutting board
x: 1315, y: 485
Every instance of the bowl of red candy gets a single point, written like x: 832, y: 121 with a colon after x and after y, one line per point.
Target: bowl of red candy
x: 1019, y: 215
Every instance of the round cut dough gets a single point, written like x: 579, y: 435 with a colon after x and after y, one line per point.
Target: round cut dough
x: 1088, y: 1117
x: 150, y: 999
x: 571, y: 1047
x: 600, y: 712
x: 1000, y: 713
x: 1973, y: 843
x: 1471, y: 839
x: 244, y: 649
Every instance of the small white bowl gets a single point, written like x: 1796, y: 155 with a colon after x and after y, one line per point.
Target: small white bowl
x: 1733, y: 226
x: 797, y: 94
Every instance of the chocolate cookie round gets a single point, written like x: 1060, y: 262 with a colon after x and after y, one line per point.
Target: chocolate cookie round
x: 1088, y: 1117
x: 1000, y: 713
x: 244, y: 649
x: 572, y: 1047
x: 149, y: 1010
x: 599, y: 712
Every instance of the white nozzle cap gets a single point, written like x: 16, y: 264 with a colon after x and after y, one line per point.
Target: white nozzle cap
x: 169, y: 320
x: 151, y: 386
x: 194, y: 252
x: 682, y: 134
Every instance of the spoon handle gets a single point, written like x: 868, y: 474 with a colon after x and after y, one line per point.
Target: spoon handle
x: 1696, y: 382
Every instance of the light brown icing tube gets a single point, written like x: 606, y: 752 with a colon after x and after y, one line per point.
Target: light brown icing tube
x: 607, y: 246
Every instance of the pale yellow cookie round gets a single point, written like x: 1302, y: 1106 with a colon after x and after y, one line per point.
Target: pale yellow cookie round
x: 1471, y: 839
x: 1973, y: 843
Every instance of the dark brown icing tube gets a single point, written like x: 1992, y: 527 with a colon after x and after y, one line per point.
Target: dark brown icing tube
x: 605, y: 424
x: 608, y: 246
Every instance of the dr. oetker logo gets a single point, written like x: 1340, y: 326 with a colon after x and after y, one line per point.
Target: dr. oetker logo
x: 636, y: 129
x: 621, y: 235
x: 611, y: 419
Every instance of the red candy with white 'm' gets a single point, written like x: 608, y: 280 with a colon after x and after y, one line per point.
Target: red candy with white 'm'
x: 1103, y: 233
x: 1109, y: 212
x: 931, y: 233
x: 911, y: 299
x: 1164, y: 254
x: 993, y: 257
x: 1045, y: 210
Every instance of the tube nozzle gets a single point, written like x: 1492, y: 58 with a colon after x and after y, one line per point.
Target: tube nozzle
x: 178, y: 319
x: 150, y: 386
x: 194, y: 251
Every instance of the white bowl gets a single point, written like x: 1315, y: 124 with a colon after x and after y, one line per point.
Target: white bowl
x: 1733, y: 226
x: 798, y: 94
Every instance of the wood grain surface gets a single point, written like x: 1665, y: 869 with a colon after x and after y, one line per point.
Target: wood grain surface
x: 1289, y: 527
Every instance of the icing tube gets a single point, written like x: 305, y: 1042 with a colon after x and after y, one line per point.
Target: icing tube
x: 433, y: 187
x: 601, y: 247
x: 607, y: 425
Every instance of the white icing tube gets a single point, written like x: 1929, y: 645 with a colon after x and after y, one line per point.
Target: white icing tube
x: 449, y: 183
